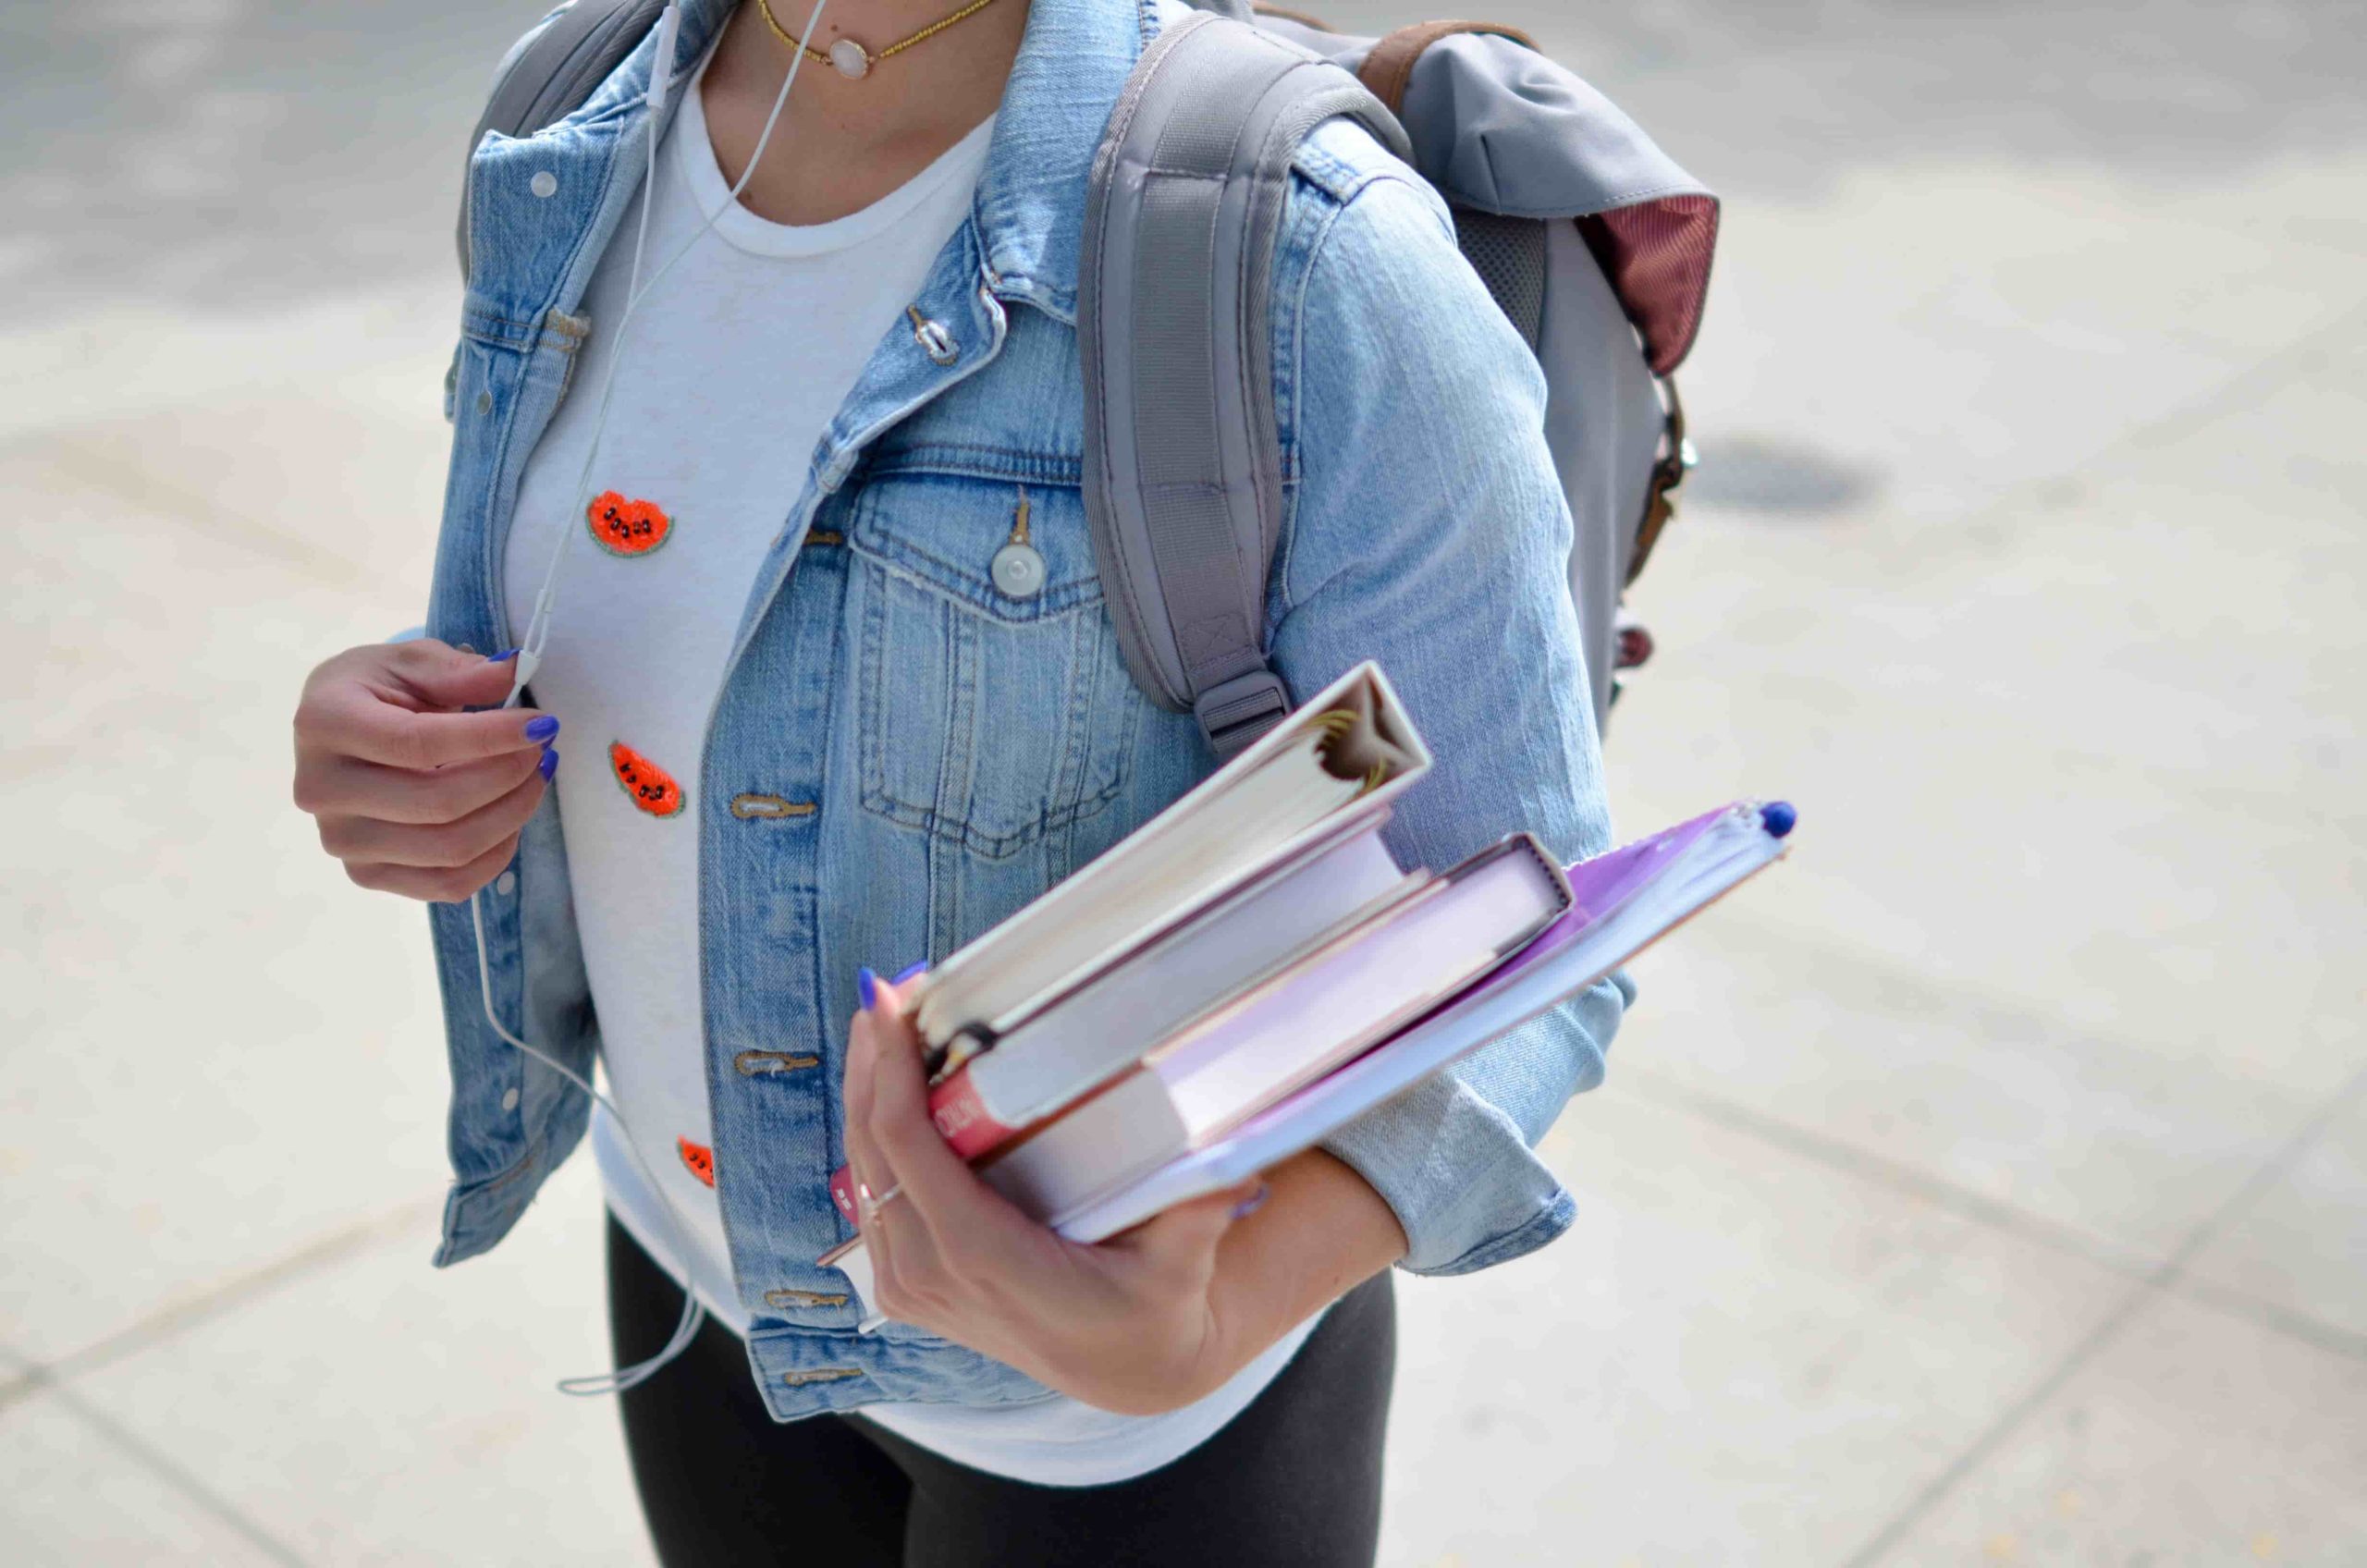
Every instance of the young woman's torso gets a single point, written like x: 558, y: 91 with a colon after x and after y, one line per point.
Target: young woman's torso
x: 736, y: 357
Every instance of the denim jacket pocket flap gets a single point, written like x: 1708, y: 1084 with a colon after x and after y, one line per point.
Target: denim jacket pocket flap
x: 1005, y: 549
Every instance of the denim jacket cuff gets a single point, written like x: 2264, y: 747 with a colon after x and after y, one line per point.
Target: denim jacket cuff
x: 478, y: 1214
x: 1463, y: 1183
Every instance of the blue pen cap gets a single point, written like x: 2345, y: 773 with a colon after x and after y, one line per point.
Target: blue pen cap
x: 1777, y: 817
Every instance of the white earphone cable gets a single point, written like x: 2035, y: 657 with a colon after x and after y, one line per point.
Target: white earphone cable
x: 693, y: 1314
x: 538, y: 635
x: 538, y: 627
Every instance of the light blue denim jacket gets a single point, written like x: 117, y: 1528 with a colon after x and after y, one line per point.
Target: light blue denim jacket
x: 965, y: 749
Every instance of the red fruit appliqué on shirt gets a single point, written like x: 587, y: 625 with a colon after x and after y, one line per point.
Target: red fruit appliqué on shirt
x: 652, y: 788
x: 627, y: 528
x: 699, y: 1158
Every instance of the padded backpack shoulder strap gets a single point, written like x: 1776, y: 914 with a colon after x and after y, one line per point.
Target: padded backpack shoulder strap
x: 551, y: 70
x: 1183, y: 460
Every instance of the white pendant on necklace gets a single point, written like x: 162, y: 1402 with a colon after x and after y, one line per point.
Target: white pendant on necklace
x: 851, y: 60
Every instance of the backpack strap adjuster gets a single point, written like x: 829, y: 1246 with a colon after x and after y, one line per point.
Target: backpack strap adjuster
x: 1234, y: 713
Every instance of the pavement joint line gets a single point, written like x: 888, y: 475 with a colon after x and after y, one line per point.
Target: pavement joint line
x: 172, y: 1473
x: 69, y: 457
x: 191, y: 1312
x: 2026, y: 1015
x: 1850, y: 1161
x: 2145, y: 1294
x: 2310, y: 352
x: 2121, y: 1258
x: 2129, y: 1262
x: 2235, y: 1302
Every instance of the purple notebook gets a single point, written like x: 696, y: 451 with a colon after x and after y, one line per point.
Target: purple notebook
x: 1624, y: 900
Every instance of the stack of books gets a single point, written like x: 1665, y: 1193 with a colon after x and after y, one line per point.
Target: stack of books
x: 1252, y: 969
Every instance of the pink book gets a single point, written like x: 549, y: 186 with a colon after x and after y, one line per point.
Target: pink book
x: 1106, y: 1026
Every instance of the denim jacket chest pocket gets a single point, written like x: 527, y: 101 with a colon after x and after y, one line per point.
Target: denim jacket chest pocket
x: 994, y: 705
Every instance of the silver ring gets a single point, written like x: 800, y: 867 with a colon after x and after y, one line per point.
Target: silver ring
x: 871, y: 1206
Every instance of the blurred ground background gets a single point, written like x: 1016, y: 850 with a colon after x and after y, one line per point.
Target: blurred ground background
x: 1988, y: 1185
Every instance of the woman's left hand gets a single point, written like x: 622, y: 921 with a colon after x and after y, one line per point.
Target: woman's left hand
x: 1131, y: 1324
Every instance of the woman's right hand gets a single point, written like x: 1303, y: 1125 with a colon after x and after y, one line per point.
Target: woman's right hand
x: 415, y: 796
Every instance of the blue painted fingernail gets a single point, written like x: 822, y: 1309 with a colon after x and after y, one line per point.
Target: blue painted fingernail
x: 542, y: 726
x: 866, y: 984
x: 908, y: 971
x: 1778, y: 816
x: 503, y: 657
x: 550, y: 765
x: 1249, y: 1205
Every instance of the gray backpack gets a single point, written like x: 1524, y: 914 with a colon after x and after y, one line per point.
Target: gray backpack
x: 1593, y: 243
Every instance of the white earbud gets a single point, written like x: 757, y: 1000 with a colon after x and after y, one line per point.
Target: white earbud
x: 661, y: 69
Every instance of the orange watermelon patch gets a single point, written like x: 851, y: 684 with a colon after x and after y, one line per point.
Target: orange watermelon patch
x: 652, y: 788
x: 699, y: 1158
x: 627, y: 528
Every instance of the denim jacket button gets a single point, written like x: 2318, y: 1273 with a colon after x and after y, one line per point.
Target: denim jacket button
x: 510, y: 1099
x: 806, y: 1298
x: 1018, y: 572
x: 933, y: 338
x: 757, y: 1065
x: 506, y: 884
x: 545, y: 183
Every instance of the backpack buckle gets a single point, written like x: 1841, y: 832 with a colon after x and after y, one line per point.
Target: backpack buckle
x: 1236, y: 712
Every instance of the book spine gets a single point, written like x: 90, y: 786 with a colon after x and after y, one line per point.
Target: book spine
x: 962, y: 1120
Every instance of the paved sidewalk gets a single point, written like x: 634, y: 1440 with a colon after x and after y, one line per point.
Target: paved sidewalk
x: 1986, y: 1185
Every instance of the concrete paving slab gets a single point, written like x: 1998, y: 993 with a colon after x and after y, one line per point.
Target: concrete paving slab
x: 237, y: 153
x: 112, y: 357
x: 1978, y: 327
x: 2301, y: 1249
x: 2131, y: 700
x: 2029, y: 512
x: 2195, y: 1437
x: 2121, y: 1146
x: 1735, y: 1357
x: 2062, y: 925
x: 74, y: 1496
x: 383, y: 1412
x: 224, y: 1053
x: 1966, y: 248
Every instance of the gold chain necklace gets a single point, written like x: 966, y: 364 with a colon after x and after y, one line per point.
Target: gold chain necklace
x: 851, y: 59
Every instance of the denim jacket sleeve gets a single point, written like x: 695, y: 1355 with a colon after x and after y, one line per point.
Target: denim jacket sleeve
x: 1428, y: 531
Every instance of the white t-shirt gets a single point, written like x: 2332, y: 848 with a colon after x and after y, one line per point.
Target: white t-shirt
x: 738, y: 358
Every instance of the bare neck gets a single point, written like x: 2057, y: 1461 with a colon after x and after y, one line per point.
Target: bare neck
x: 844, y: 143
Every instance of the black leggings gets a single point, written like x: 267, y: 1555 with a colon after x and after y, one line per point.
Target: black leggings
x: 1294, y: 1481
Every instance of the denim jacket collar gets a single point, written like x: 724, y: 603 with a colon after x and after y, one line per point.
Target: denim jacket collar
x: 1030, y: 209
x: 1071, y: 66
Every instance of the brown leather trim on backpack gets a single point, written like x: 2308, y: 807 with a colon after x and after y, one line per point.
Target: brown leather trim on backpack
x: 1660, y: 497
x: 1389, y: 68
x: 1387, y: 72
